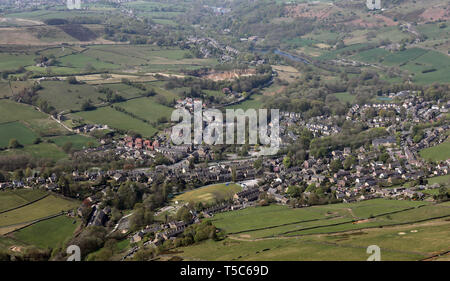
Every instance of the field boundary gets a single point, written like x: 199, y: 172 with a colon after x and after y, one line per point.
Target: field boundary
x: 34, y: 222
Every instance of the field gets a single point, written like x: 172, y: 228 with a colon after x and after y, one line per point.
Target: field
x: 118, y: 120
x: 11, y: 111
x: 50, y: 205
x: 345, y: 97
x: 147, y: 108
x: 439, y: 152
x: 78, y: 142
x: 412, y: 242
x: 49, y: 233
x: 277, y: 220
x: 15, y: 130
x: 427, y: 66
x: 16, y: 198
x: 441, y: 180
x: 64, y: 96
x: 42, y: 150
x: 330, y: 232
x: 209, y: 194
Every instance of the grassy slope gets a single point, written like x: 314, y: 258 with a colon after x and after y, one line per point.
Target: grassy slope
x: 48, y: 233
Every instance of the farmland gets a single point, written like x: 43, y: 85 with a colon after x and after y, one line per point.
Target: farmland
x: 280, y: 236
x: 16, y: 131
x: 16, y: 198
x: 395, y: 243
x: 275, y: 220
x: 48, y: 233
x: 50, y: 205
x: 209, y: 194
x: 117, y: 120
x: 440, y: 152
x: 11, y: 111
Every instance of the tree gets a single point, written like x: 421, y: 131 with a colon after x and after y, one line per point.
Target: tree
x: 14, y: 143
x: 184, y: 214
x: 348, y: 162
x: 335, y: 166
x: 287, y: 162
x: 72, y: 80
x: 67, y: 147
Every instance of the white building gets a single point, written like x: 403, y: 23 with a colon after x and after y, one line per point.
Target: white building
x: 373, y: 4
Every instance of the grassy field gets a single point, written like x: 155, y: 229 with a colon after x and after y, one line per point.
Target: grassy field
x: 409, y: 234
x: 48, y: 206
x: 345, y: 97
x: 442, y: 179
x: 64, y: 96
x: 209, y: 194
x: 15, y: 198
x: 15, y: 130
x: 49, y: 233
x: 78, y: 142
x: 43, y: 150
x: 439, y: 152
x: 147, y: 108
x: 11, y: 111
x: 117, y: 120
x: 276, y: 220
x: 411, y: 242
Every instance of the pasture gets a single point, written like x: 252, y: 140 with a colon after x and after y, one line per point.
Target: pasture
x: 209, y: 194
x: 65, y: 96
x: 50, y: 205
x: 11, y: 111
x: 49, y: 233
x: 409, y: 234
x: 276, y: 220
x: 16, y: 130
x: 439, y: 152
x: 78, y: 142
x: 147, y: 108
x: 118, y: 120
x: 15, y: 198
x: 42, y: 150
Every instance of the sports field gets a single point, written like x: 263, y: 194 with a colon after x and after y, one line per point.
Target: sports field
x: 209, y: 194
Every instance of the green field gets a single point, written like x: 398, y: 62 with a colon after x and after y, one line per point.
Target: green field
x: 147, y: 108
x: 49, y: 233
x: 417, y: 242
x: 345, y: 97
x: 16, y: 198
x: 48, y: 206
x: 11, y: 111
x: 117, y: 120
x: 78, y: 142
x: 276, y: 220
x: 64, y: 96
x: 43, y: 150
x: 442, y: 180
x: 280, y: 233
x: 12, y: 61
x: 439, y: 152
x: 209, y: 194
x: 15, y: 130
